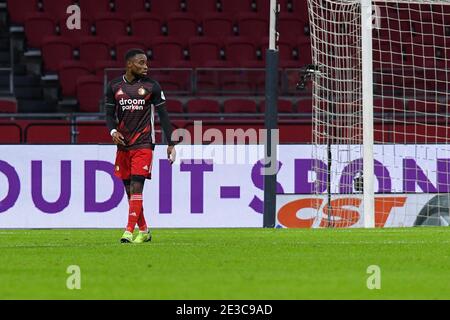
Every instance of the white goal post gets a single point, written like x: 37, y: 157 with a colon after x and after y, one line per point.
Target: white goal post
x: 380, y: 100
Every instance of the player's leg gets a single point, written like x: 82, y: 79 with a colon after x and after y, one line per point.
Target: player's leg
x: 122, y: 170
x: 140, y: 169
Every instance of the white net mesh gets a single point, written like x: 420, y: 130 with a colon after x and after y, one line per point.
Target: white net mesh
x: 411, y: 85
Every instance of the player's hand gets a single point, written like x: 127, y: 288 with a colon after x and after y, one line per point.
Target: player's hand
x: 118, y: 138
x: 171, y: 154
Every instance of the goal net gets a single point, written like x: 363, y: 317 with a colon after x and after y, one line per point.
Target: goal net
x: 381, y: 92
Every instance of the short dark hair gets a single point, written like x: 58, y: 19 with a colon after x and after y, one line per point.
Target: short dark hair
x: 132, y: 53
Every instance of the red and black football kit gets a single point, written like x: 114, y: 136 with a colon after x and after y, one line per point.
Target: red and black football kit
x: 130, y: 109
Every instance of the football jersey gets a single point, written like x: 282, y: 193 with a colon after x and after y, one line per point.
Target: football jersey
x: 135, y: 104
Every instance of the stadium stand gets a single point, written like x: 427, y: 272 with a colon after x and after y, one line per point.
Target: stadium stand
x: 208, y: 55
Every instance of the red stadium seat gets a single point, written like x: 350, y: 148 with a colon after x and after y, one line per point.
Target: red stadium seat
x: 218, y: 64
x: 304, y: 52
x: 388, y: 104
x: 57, y: 131
x: 174, y: 106
x: 164, y: 8
x: 57, y: 8
x: 239, y: 106
x: 93, y: 49
x: 240, y: 48
x: 202, y: 49
x: 55, y: 49
x: 89, y: 93
x: 290, y: 26
x: 304, y: 106
x: 92, y: 9
x: 284, y: 49
x: 69, y: 71
x: 76, y: 34
x: 109, y: 26
x: 300, y: 8
x: 182, y: 25
x: 20, y: 9
x: 10, y: 131
x: 203, y: 106
x: 234, y: 7
x: 201, y: 7
x: 129, y: 7
x: 425, y: 106
x: 284, y: 106
x: 145, y: 25
x: 253, y: 25
x: 8, y: 106
x: 37, y: 26
x: 263, y: 7
x: 166, y: 50
x: 100, y: 66
x: 219, y: 25
x: 92, y: 132
x: 123, y: 44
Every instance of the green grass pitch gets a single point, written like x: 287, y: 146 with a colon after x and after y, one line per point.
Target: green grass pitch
x: 227, y: 264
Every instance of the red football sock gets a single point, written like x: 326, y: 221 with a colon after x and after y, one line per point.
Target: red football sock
x: 141, y: 222
x: 134, y: 211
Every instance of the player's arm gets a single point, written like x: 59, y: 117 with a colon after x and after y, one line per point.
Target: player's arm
x: 110, y: 107
x: 159, y: 101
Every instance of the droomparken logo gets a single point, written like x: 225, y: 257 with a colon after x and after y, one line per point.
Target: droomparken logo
x: 132, y: 104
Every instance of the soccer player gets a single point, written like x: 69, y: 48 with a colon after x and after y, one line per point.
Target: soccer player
x: 130, y: 104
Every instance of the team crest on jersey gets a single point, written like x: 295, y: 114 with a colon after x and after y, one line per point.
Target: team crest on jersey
x: 142, y: 91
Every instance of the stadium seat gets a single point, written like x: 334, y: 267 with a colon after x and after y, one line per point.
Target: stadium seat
x: 304, y: 106
x: 8, y: 106
x: 263, y: 7
x: 239, y: 106
x: 290, y: 26
x: 109, y: 26
x: 201, y: 7
x: 76, y: 34
x: 123, y: 44
x: 182, y: 25
x: 388, y: 105
x: 284, y: 49
x: 47, y: 132
x: 20, y: 9
x: 284, y: 106
x: 202, y: 49
x: 218, y: 64
x: 252, y: 25
x: 166, y: 50
x: 164, y: 8
x: 89, y: 93
x: 93, y: 49
x: 234, y: 7
x: 69, y: 71
x: 57, y: 8
x: 37, y: 26
x: 171, y: 82
x: 55, y: 49
x: 300, y: 8
x: 304, y: 52
x: 92, y: 9
x: 219, y: 25
x: 174, y: 106
x: 10, y: 132
x: 101, y: 65
x: 240, y: 49
x: 425, y: 106
x: 92, y: 132
x: 203, y: 106
x: 129, y: 7
x: 145, y: 25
